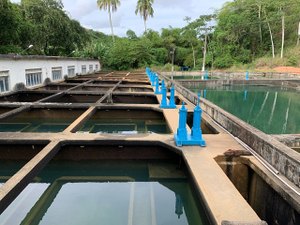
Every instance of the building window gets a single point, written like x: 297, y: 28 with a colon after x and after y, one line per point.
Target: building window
x: 83, y: 69
x: 33, y: 77
x: 90, y: 68
x: 56, y: 73
x: 4, y: 85
x: 96, y: 67
x: 71, y: 71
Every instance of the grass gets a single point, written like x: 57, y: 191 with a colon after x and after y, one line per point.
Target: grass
x: 291, y: 58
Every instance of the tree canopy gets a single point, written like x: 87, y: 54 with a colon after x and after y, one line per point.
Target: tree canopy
x: 249, y: 29
x: 41, y: 23
x: 144, y: 7
x: 110, y: 6
x: 241, y: 32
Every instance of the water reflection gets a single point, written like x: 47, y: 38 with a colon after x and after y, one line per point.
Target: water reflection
x: 20, y: 208
x: 40, y: 120
x: 272, y: 110
x: 245, y: 95
x: 204, y: 93
x: 107, y: 193
x: 126, y: 121
x: 178, y: 205
x: 125, y: 126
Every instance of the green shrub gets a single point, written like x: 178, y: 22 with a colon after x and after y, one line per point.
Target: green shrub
x: 7, y: 49
x: 168, y: 67
x: 292, y: 61
x: 224, y: 62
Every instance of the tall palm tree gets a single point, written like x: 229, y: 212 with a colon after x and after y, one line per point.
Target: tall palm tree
x: 111, y: 6
x: 144, y: 7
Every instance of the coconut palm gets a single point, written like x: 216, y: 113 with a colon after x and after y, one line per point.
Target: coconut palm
x: 111, y: 6
x: 144, y: 7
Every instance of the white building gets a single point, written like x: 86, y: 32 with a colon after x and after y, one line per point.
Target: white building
x: 33, y: 70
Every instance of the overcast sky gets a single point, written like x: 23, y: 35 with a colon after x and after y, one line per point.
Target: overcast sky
x: 166, y: 13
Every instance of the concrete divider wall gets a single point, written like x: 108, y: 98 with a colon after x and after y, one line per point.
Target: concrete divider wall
x: 281, y: 157
x: 183, y: 73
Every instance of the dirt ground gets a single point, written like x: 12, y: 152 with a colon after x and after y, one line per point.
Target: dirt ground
x: 287, y: 69
x: 279, y: 69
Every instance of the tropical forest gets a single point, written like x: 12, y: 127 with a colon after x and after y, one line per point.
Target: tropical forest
x: 242, y: 33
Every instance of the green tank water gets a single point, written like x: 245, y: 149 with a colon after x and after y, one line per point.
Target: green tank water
x: 273, y: 110
x: 106, y: 192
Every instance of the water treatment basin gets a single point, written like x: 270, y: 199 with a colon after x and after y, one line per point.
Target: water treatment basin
x: 122, y: 121
x: 5, y: 109
x: 76, y: 98
x: 133, y: 89
x: 99, y: 88
x: 129, y: 82
x: 24, y: 97
x: 104, y: 82
x: 56, y: 87
x: 14, y: 156
x: 132, y: 99
x: 19, y: 151
x: 40, y: 120
x: 107, y: 192
x: 273, y: 110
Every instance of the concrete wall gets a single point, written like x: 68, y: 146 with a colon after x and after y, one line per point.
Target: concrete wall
x: 280, y: 156
x: 183, y: 73
x: 266, y: 196
x: 291, y: 140
x: 16, y: 66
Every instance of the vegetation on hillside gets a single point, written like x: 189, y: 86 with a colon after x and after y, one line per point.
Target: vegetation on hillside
x: 249, y: 29
x: 253, y: 32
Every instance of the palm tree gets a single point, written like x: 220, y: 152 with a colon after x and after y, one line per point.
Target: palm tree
x: 144, y: 7
x: 111, y: 6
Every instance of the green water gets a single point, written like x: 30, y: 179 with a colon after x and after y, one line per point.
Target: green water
x: 107, y: 192
x: 9, y: 167
x: 34, y: 126
x: 273, y: 110
x: 126, y: 121
x: 40, y: 120
x: 125, y: 126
